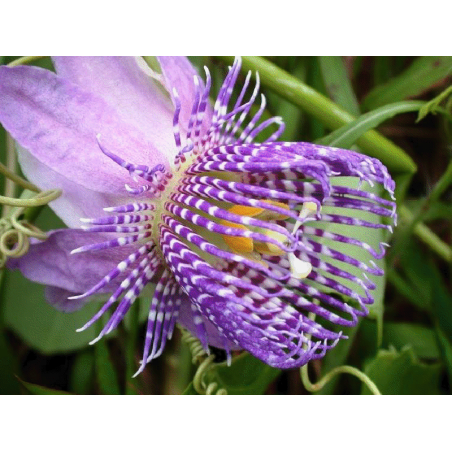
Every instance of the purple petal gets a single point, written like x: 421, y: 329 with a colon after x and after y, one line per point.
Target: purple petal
x: 77, y: 201
x: 179, y: 73
x: 51, y: 263
x: 59, y: 299
x: 58, y: 123
x: 128, y: 85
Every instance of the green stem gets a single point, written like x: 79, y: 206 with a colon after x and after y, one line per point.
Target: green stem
x: 24, y: 60
x: 315, y: 387
x: 131, y: 347
x: 42, y: 199
x: 331, y: 115
x: 399, y: 283
x: 426, y: 235
x: 11, y: 165
x: 413, y: 221
x: 17, y: 179
x: 198, y: 380
x: 441, y: 186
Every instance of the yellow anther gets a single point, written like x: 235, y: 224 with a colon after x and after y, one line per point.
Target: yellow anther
x: 259, y: 212
x: 253, y: 250
x: 244, y: 245
x: 245, y: 211
x: 270, y: 248
x: 240, y: 245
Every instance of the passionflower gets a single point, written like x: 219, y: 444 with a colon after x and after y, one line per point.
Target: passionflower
x: 239, y: 238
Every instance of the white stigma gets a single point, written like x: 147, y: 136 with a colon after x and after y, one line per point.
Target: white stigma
x: 299, y: 269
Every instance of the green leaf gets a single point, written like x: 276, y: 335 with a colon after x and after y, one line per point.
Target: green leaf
x: 423, y: 73
x: 40, y: 325
x: 41, y: 390
x: 338, y: 84
x: 436, y: 211
x: 446, y: 350
x: 432, y: 106
x: 131, y: 345
x: 415, y: 269
x: 8, y: 384
x: 316, y: 125
x: 382, y: 70
x: 292, y: 115
x: 246, y: 375
x: 442, y: 311
x: 421, y: 339
x: 422, y: 278
x: 190, y: 390
x: 82, y: 374
x: 405, y: 289
x: 349, y: 134
x: 401, y: 373
x: 105, y: 371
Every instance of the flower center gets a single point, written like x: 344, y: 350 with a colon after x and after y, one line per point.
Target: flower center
x: 177, y: 173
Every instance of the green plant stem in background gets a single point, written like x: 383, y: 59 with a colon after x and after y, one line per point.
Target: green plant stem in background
x: 315, y: 387
x: 41, y: 199
x: 349, y: 134
x: 440, y: 187
x: 433, y: 105
x: 441, y: 248
x: 131, y: 344
x: 331, y: 115
x: 11, y: 165
x: 24, y: 60
x: 338, y: 84
x: 17, y: 179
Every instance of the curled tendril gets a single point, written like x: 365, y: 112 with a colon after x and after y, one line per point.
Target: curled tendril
x: 15, y: 233
x: 315, y: 387
x: 13, y: 243
x: 205, y: 364
x: 40, y: 199
x: 17, y: 179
